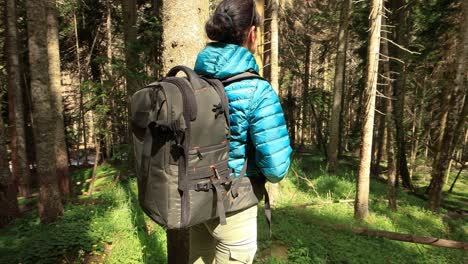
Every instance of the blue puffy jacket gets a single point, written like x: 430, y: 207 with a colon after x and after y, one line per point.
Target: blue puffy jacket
x: 255, y: 113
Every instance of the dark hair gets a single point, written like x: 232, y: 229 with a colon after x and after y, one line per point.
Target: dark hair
x: 231, y: 20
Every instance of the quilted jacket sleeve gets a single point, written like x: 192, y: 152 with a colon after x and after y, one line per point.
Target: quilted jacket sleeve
x: 269, y: 133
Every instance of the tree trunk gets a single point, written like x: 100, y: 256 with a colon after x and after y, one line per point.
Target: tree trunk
x: 361, y: 206
x: 129, y: 12
x: 417, y: 138
x: 109, y: 139
x: 339, y: 87
x: 50, y: 204
x: 305, y: 89
x: 270, y: 58
x: 450, y: 128
x: 8, y: 202
x: 181, y: 45
x: 82, y: 122
x: 401, y: 14
x: 53, y: 51
x: 290, y: 111
x: 389, y: 127
x: 19, y: 157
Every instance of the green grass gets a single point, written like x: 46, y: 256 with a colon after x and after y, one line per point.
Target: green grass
x: 310, y: 238
x: 109, y: 226
x: 458, y: 198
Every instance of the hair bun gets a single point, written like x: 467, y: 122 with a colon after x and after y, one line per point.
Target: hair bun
x: 220, y: 27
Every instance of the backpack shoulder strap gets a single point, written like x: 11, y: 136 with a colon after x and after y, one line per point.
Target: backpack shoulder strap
x: 242, y: 76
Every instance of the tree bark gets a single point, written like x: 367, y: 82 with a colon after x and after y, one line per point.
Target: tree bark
x: 305, y: 89
x: 361, y: 206
x: 450, y: 127
x: 271, y: 52
x: 8, y: 202
x: 339, y: 87
x: 53, y: 51
x: 181, y: 44
x: 50, y: 205
x: 19, y: 157
x: 401, y: 13
x: 129, y: 12
x: 82, y: 122
x: 389, y: 126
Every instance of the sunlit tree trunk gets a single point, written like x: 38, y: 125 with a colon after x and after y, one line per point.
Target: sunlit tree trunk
x: 270, y: 58
x: 339, y: 85
x: 8, y: 202
x: 181, y: 45
x: 55, y: 83
x: 271, y: 67
x: 19, y: 158
x: 361, y: 206
x: 44, y: 124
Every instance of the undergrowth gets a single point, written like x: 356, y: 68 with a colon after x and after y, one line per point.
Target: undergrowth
x: 110, y: 227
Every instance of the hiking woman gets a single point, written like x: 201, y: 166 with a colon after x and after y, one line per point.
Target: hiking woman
x: 258, y: 129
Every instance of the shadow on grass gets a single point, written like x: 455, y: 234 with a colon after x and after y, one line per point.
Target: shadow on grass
x: 303, y: 229
x: 312, y: 239
x: 150, y: 242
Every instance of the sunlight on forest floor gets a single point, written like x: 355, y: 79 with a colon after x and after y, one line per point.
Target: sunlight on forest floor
x: 109, y: 227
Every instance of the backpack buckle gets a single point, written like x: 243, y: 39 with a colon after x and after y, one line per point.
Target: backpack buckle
x: 202, y: 187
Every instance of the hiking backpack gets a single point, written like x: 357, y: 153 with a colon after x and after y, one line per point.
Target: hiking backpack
x: 181, y: 144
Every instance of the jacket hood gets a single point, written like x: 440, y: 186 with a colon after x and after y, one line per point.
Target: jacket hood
x: 220, y: 60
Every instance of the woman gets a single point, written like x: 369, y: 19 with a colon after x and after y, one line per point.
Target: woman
x: 258, y: 129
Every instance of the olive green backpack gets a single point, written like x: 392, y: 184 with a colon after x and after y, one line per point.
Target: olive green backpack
x: 181, y: 144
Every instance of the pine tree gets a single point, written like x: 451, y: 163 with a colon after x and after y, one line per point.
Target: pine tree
x: 361, y: 207
x: 50, y: 204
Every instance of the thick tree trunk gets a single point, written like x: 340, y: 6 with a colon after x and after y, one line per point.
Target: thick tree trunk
x: 450, y: 127
x: 339, y: 87
x: 181, y: 43
x: 270, y: 58
x: 50, y: 204
x: 19, y: 157
x: 271, y: 67
x: 53, y: 51
x: 400, y: 11
x: 8, y: 202
x: 361, y: 206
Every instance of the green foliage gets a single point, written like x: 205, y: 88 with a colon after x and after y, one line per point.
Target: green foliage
x: 111, y: 224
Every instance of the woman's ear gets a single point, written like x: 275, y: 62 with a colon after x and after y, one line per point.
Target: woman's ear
x: 252, y: 39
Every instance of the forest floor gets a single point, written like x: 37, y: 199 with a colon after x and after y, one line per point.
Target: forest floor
x: 109, y: 227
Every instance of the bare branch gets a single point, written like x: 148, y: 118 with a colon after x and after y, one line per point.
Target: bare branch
x: 401, y: 47
x: 379, y: 94
x: 386, y: 78
x: 393, y: 58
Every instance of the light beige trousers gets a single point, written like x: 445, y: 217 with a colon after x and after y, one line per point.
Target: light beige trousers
x: 235, y: 242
